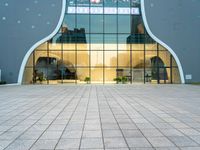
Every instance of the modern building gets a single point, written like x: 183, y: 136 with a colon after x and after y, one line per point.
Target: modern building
x: 70, y: 41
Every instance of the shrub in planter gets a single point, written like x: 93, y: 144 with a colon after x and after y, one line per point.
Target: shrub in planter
x: 40, y: 77
x: 87, y: 79
x: 118, y: 80
x: 124, y: 80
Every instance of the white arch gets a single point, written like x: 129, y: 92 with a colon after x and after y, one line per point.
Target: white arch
x: 26, y: 57
x: 161, y: 42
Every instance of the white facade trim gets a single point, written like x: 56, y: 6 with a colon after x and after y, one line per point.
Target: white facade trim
x: 161, y: 42
x: 26, y: 57
x: 22, y: 68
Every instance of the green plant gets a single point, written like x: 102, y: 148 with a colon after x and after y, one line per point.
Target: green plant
x: 87, y: 79
x: 40, y: 77
x: 2, y: 82
x: 118, y: 79
x: 124, y: 80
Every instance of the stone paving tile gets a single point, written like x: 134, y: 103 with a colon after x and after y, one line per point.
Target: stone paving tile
x: 44, y: 144
x: 146, y: 148
x: 115, y: 143
x: 10, y: 135
x: 182, y: 141
x: 51, y: 135
x: 92, y: 127
x: 20, y: 145
x: 38, y: 128
x: 92, y: 134
x: 190, y: 148
x: 4, y: 144
x: 160, y: 142
x: 4, y: 128
x: 127, y: 126
x: 195, y: 138
x: 92, y: 143
x: 132, y: 133
x: 73, y: 134
x: 116, y: 148
x: 56, y: 127
x: 112, y: 133
x: 138, y: 142
x: 169, y: 148
x: 97, y: 117
x: 145, y: 126
x: 190, y: 132
x: 110, y: 126
x: 68, y: 144
x: 151, y: 132
x: 31, y: 135
x: 171, y: 132
x: 179, y: 125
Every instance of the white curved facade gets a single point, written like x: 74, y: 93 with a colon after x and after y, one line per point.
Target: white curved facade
x: 161, y: 42
x: 102, y: 41
x: 21, y: 72
x: 104, y: 53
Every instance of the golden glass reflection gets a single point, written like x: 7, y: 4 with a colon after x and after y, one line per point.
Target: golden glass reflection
x: 110, y: 74
x: 160, y: 47
x: 39, y: 54
x: 151, y: 47
x: 82, y: 73
x: 124, y: 47
x: 85, y: 47
x: 176, y: 76
x: 69, y: 47
x: 56, y: 54
x: 42, y: 46
x: 55, y: 46
x: 124, y: 58
x: 69, y: 58
x: 148, y: 57
x: 174, y: 64
x: 96, y: 47
x: 110, y: 47
x: 83, y: 58
x: 30, y: 61
x: 165, y: 56
x: 105, y: 55
x: 136, y: 47
x: 138, y: 59
x: 110, y: 58
x: 96, y: 75
x: 96, y: 58
x: 27, y: 77
x: 168, y: 75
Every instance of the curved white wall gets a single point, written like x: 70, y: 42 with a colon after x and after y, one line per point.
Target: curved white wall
x: 161, y: 42
x: 23, y: 65
x: 20, y: 77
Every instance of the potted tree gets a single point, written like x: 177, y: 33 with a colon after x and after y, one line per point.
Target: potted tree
x: 124, y: 80
x: 118, y: 79
x: 40, y: 77
x: 87, y: 80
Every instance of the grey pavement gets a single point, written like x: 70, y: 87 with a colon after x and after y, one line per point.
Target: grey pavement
x: 100, y: 117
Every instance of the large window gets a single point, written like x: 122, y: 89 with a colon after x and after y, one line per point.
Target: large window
x: 101, y: 40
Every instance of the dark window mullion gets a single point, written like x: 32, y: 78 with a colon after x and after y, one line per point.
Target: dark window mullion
x: 145, y: 36
x: 157, y: 65
x: 171, y: 74
x: 90, y: 45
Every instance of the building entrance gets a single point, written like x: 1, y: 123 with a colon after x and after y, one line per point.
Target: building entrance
x: 101, y: 42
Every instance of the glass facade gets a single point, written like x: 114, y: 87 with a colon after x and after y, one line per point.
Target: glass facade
x: 102, y: 40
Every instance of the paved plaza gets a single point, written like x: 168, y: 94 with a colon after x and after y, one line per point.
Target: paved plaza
x: 97, y: 117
